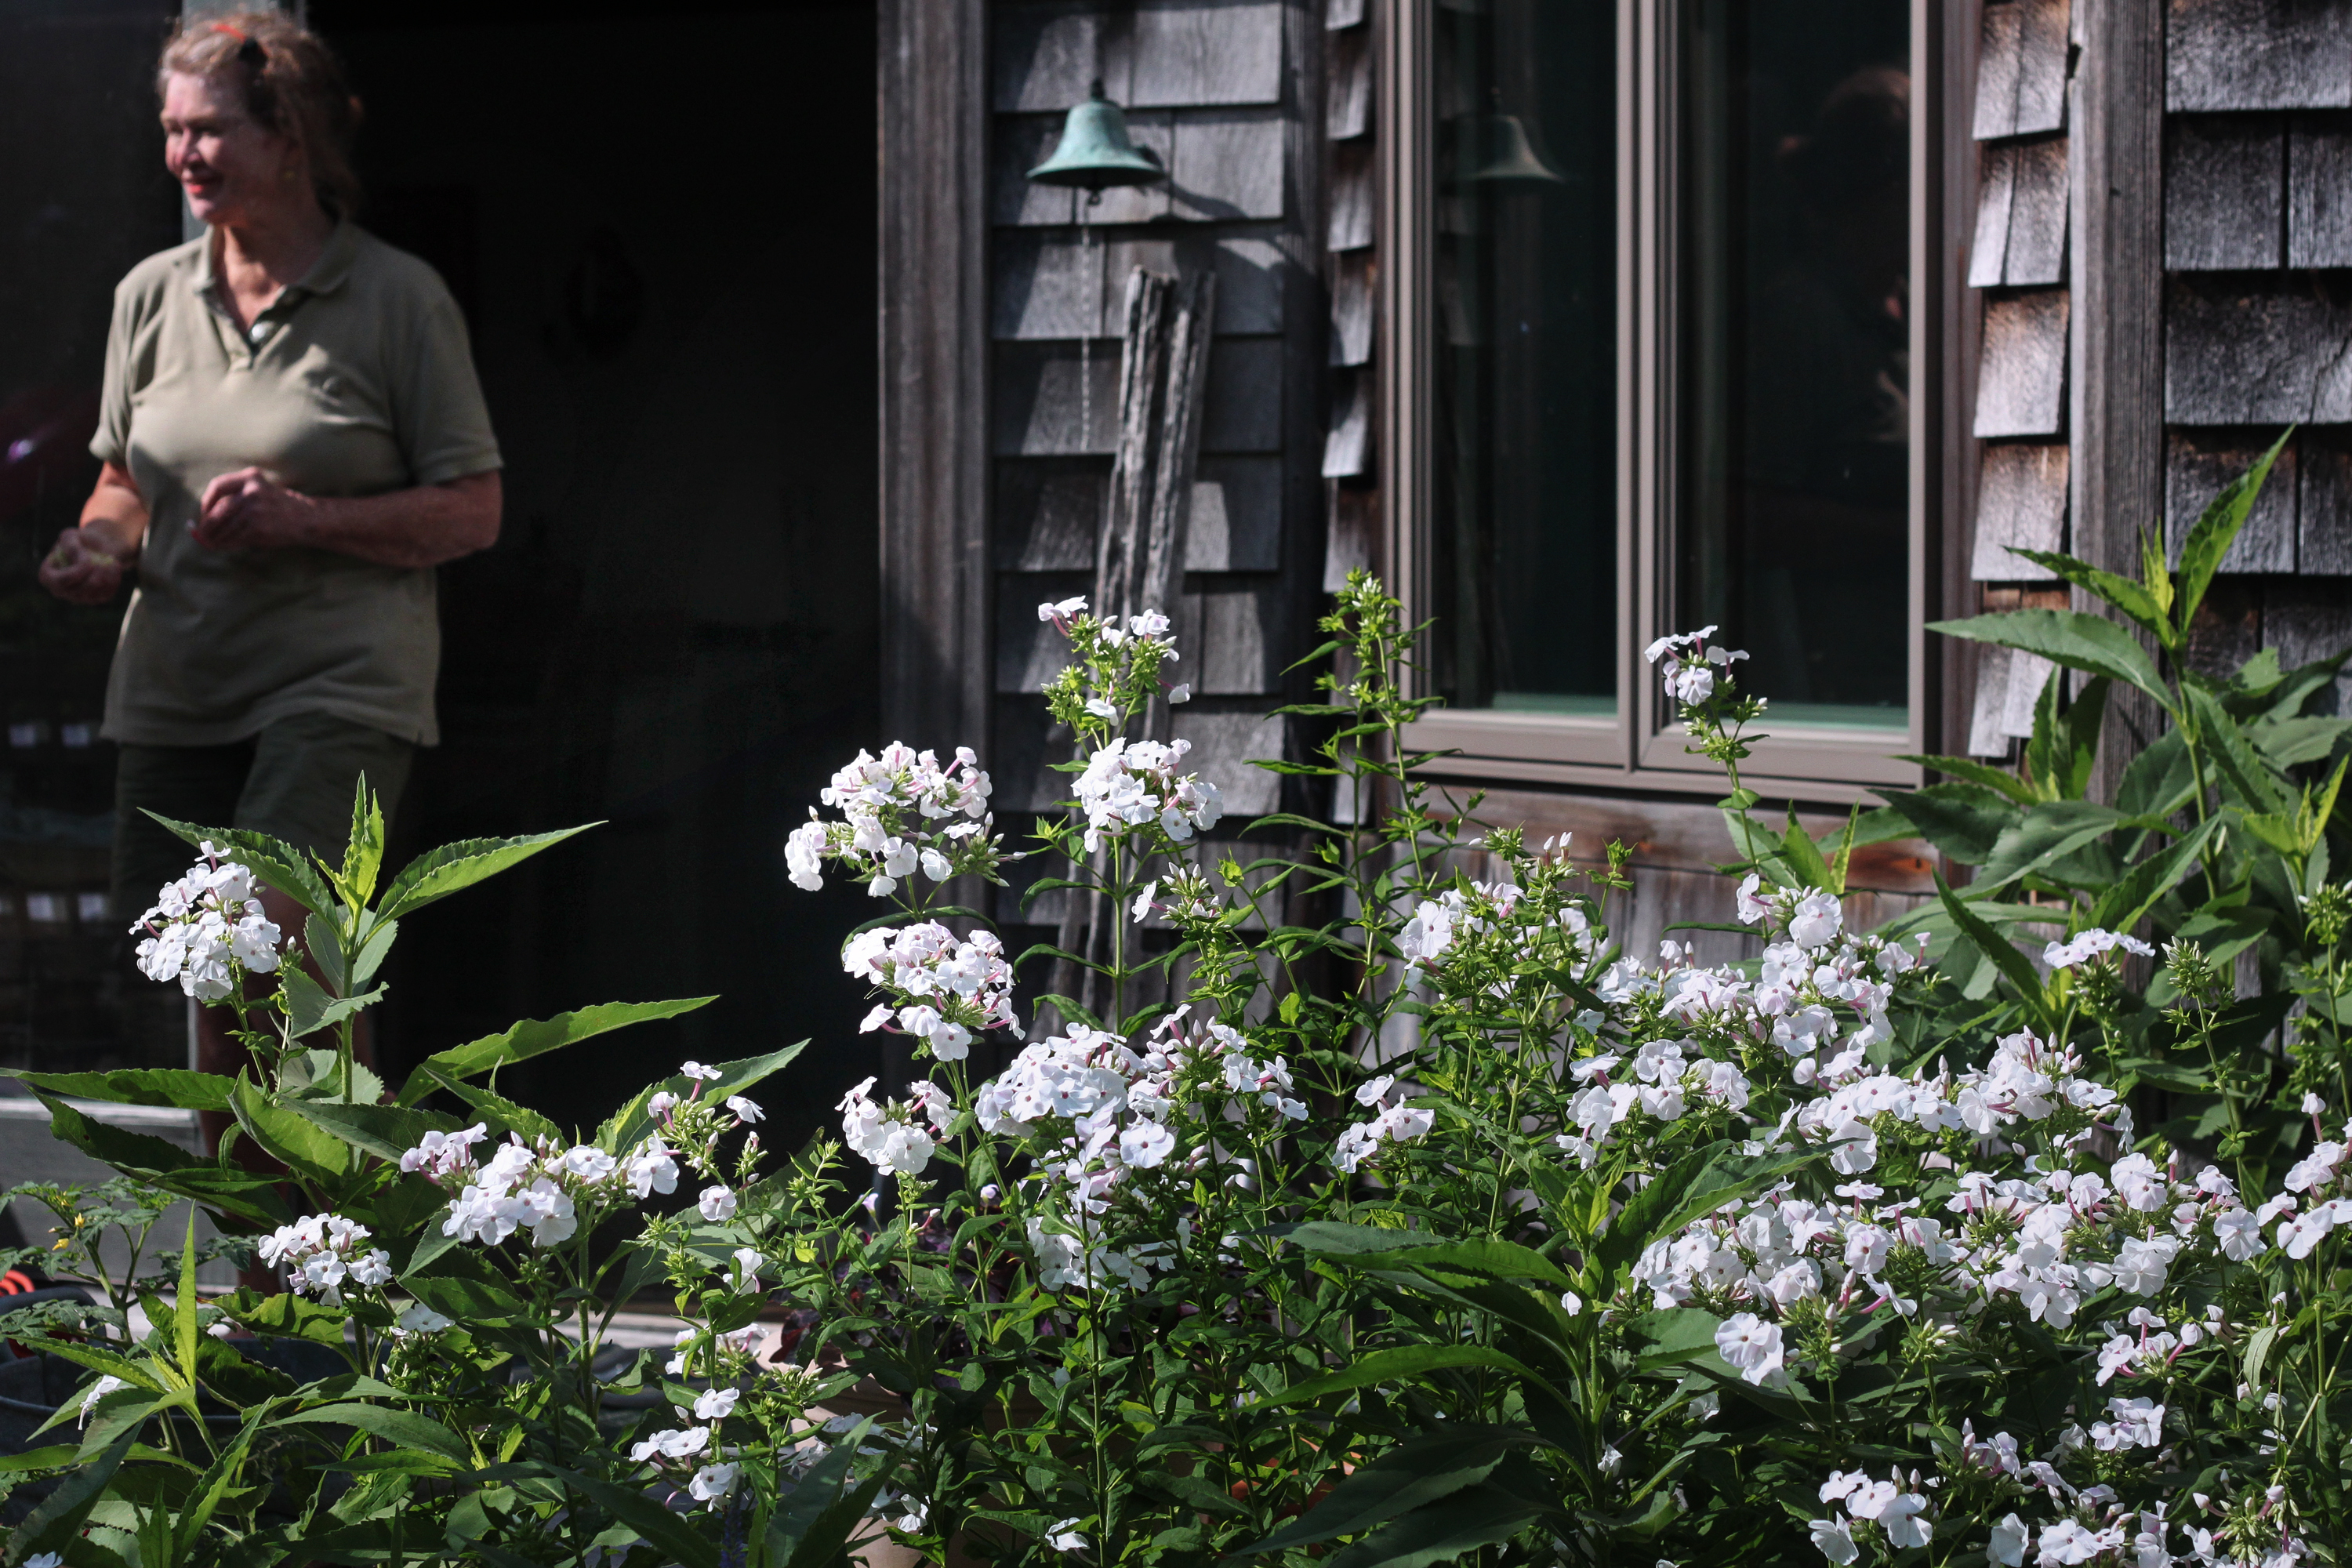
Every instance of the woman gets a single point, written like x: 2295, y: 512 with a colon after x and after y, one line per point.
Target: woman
x: 292, y: 437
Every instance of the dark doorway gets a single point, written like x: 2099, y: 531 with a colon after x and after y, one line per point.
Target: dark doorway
x: 661, y: 226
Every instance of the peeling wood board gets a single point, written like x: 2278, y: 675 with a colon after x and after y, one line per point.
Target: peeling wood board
x: 2035, y: 251
x: 1996, y: 193
x: 1055, y: 285
x: 1038, y: 404
x: 2020, y: 502
x: 2319, y: 190
x: 2253, y: 350
x: 2009, y: 684
x: 2000, y: 40
x: 1048, y: 511
x: 2200, y: 464
x: 1159, y: 54
x: 1338, y: 13
x: 1346, y: 449
x: 2323, y: 521
x: 1223, y: 164
x: 1229, y: 632
x: 1353, y: 297
x: 1348, y: 89
x: 1354, y: 514
x: 1350, y: 226
x: 2022, y: 68
x: 1030, y: 652
x: 1245, y: 397
x: 1237, y: 522
x: 2224, y: 191
x: 2022, y: 378
x: 2257, y: 54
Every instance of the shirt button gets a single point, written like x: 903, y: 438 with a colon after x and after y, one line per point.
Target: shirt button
x: 258, y: 330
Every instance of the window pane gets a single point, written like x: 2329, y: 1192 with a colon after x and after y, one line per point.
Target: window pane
x: 1526, y: 546
x: 1796, y: 279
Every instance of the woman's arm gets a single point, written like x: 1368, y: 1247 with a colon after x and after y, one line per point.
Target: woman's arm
x: 85, y: 566
x: 420, y: 527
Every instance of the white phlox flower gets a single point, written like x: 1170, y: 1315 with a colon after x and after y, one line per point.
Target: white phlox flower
x: 900, y: 811
x: 542, y: 1187
x: 2090, y: 944
x: 1131, y: 784
x: 944, y: 989
x: 890, y: 1136
x: 205, y: 927
x: 1688, y: 666
x: 322, y: 1253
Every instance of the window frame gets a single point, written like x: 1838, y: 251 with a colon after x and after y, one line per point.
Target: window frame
x: 1636, y: 748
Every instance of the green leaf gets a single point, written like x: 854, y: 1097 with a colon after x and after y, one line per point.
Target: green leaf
x: 1963, y: 820
x: 2004, y: 956
x: 402, y: 1428
x: 364, y: 850
x: 2258, y: 1351
x: 2242, y: 774
x: 2132, y: 598
x: 309, y: 1007
x: 1967, y: 769
x: 1402, y: 1478
x: 381, y: 934
x: 304, y: 1148
x: 249, y: 1195
x: 1445, y: 1531
x: 2058, y: 757
x: 288, y: 1316
x: 533, y: 1037
x: 1699, y: 1183
x: 649, y: 1519
x: 1406, y: 1361
x: 319, y: 935
x: 2071, y: 638
x: 2044, y: 835
x: 2158, y: 781
x: 134, y: 1086
x: 633, y: 1121
x: 185, y: 1334
x: 2125, y: 905
x: 438, y: 873
x: 387, y: 1131
x: 503, y: 1114
x: 57, y: 1522
x: 276, y: 862
x: 2210, y: 538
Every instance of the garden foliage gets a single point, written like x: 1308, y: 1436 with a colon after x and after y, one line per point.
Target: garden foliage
x: 1390, y: 1214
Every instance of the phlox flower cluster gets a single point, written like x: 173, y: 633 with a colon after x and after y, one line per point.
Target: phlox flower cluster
x: 539, y: 1188
x: 899, y: 1136
x: 945, y: 989
x: 900, y: 812
x: 1102, y: 1115
x: 1663, y: 1081
x: 206, y: 927
x: 1689, y: 665
x: 694, y: 1452
x: 321, y: 1253
x: 1392, y: 1122
x: 1442, y: 929
x: 1117, y: 667
x: 1128, y: 783
x: 1898, y: 1507
x: 2090, y: 944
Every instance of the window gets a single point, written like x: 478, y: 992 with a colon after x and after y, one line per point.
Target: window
x: 1656, y: 308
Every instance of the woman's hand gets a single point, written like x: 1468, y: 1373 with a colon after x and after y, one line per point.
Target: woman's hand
x: 247, y: 510
x: 80, y: 569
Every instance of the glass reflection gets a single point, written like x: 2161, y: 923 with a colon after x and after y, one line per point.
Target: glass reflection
x: 1796, y: 272
x: 1524, y: 555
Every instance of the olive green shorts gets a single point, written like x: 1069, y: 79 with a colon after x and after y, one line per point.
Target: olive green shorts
x: 293, y: 781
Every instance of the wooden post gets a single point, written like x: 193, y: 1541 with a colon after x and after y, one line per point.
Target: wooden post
x: 1163, y: 374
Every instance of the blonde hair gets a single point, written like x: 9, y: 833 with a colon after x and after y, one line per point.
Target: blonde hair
x: 292, y: 84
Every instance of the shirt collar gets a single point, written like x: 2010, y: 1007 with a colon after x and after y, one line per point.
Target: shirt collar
x: 326, y: 275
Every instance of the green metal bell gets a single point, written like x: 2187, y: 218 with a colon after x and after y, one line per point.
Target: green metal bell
x: 1094, y: 154
x: 1513, y: 154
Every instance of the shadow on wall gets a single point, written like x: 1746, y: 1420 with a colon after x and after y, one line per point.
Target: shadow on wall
x: 675, y: 634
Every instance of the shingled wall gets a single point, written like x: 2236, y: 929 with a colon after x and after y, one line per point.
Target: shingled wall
x: 2256, y: 317
x: 1229, y: 95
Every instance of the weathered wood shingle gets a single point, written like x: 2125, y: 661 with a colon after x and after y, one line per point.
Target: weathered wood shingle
x: 1154, y: 54
x: 2224, y: 191
x: 1055, y: 284
x: 2323, y: 521
x: 2022, y: 68
x: 2257, y: 349
x: 2319, y: 190
x: 2021, y: 374
x: 2020, y: 502
x: 2258, y: 54
x: 2021, y: 236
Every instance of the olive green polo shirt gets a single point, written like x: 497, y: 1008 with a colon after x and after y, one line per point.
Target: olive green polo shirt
x: 356, y: 381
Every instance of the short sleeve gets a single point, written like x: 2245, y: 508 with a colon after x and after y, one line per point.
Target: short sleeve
x: 111, y: 444
x: 439, y: 419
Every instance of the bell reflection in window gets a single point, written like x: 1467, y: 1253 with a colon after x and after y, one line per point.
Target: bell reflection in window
x: 1524, y: 555
x: 1796, y: 272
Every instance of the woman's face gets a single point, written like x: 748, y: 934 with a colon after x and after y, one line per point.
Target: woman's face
x: 231, y: 167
